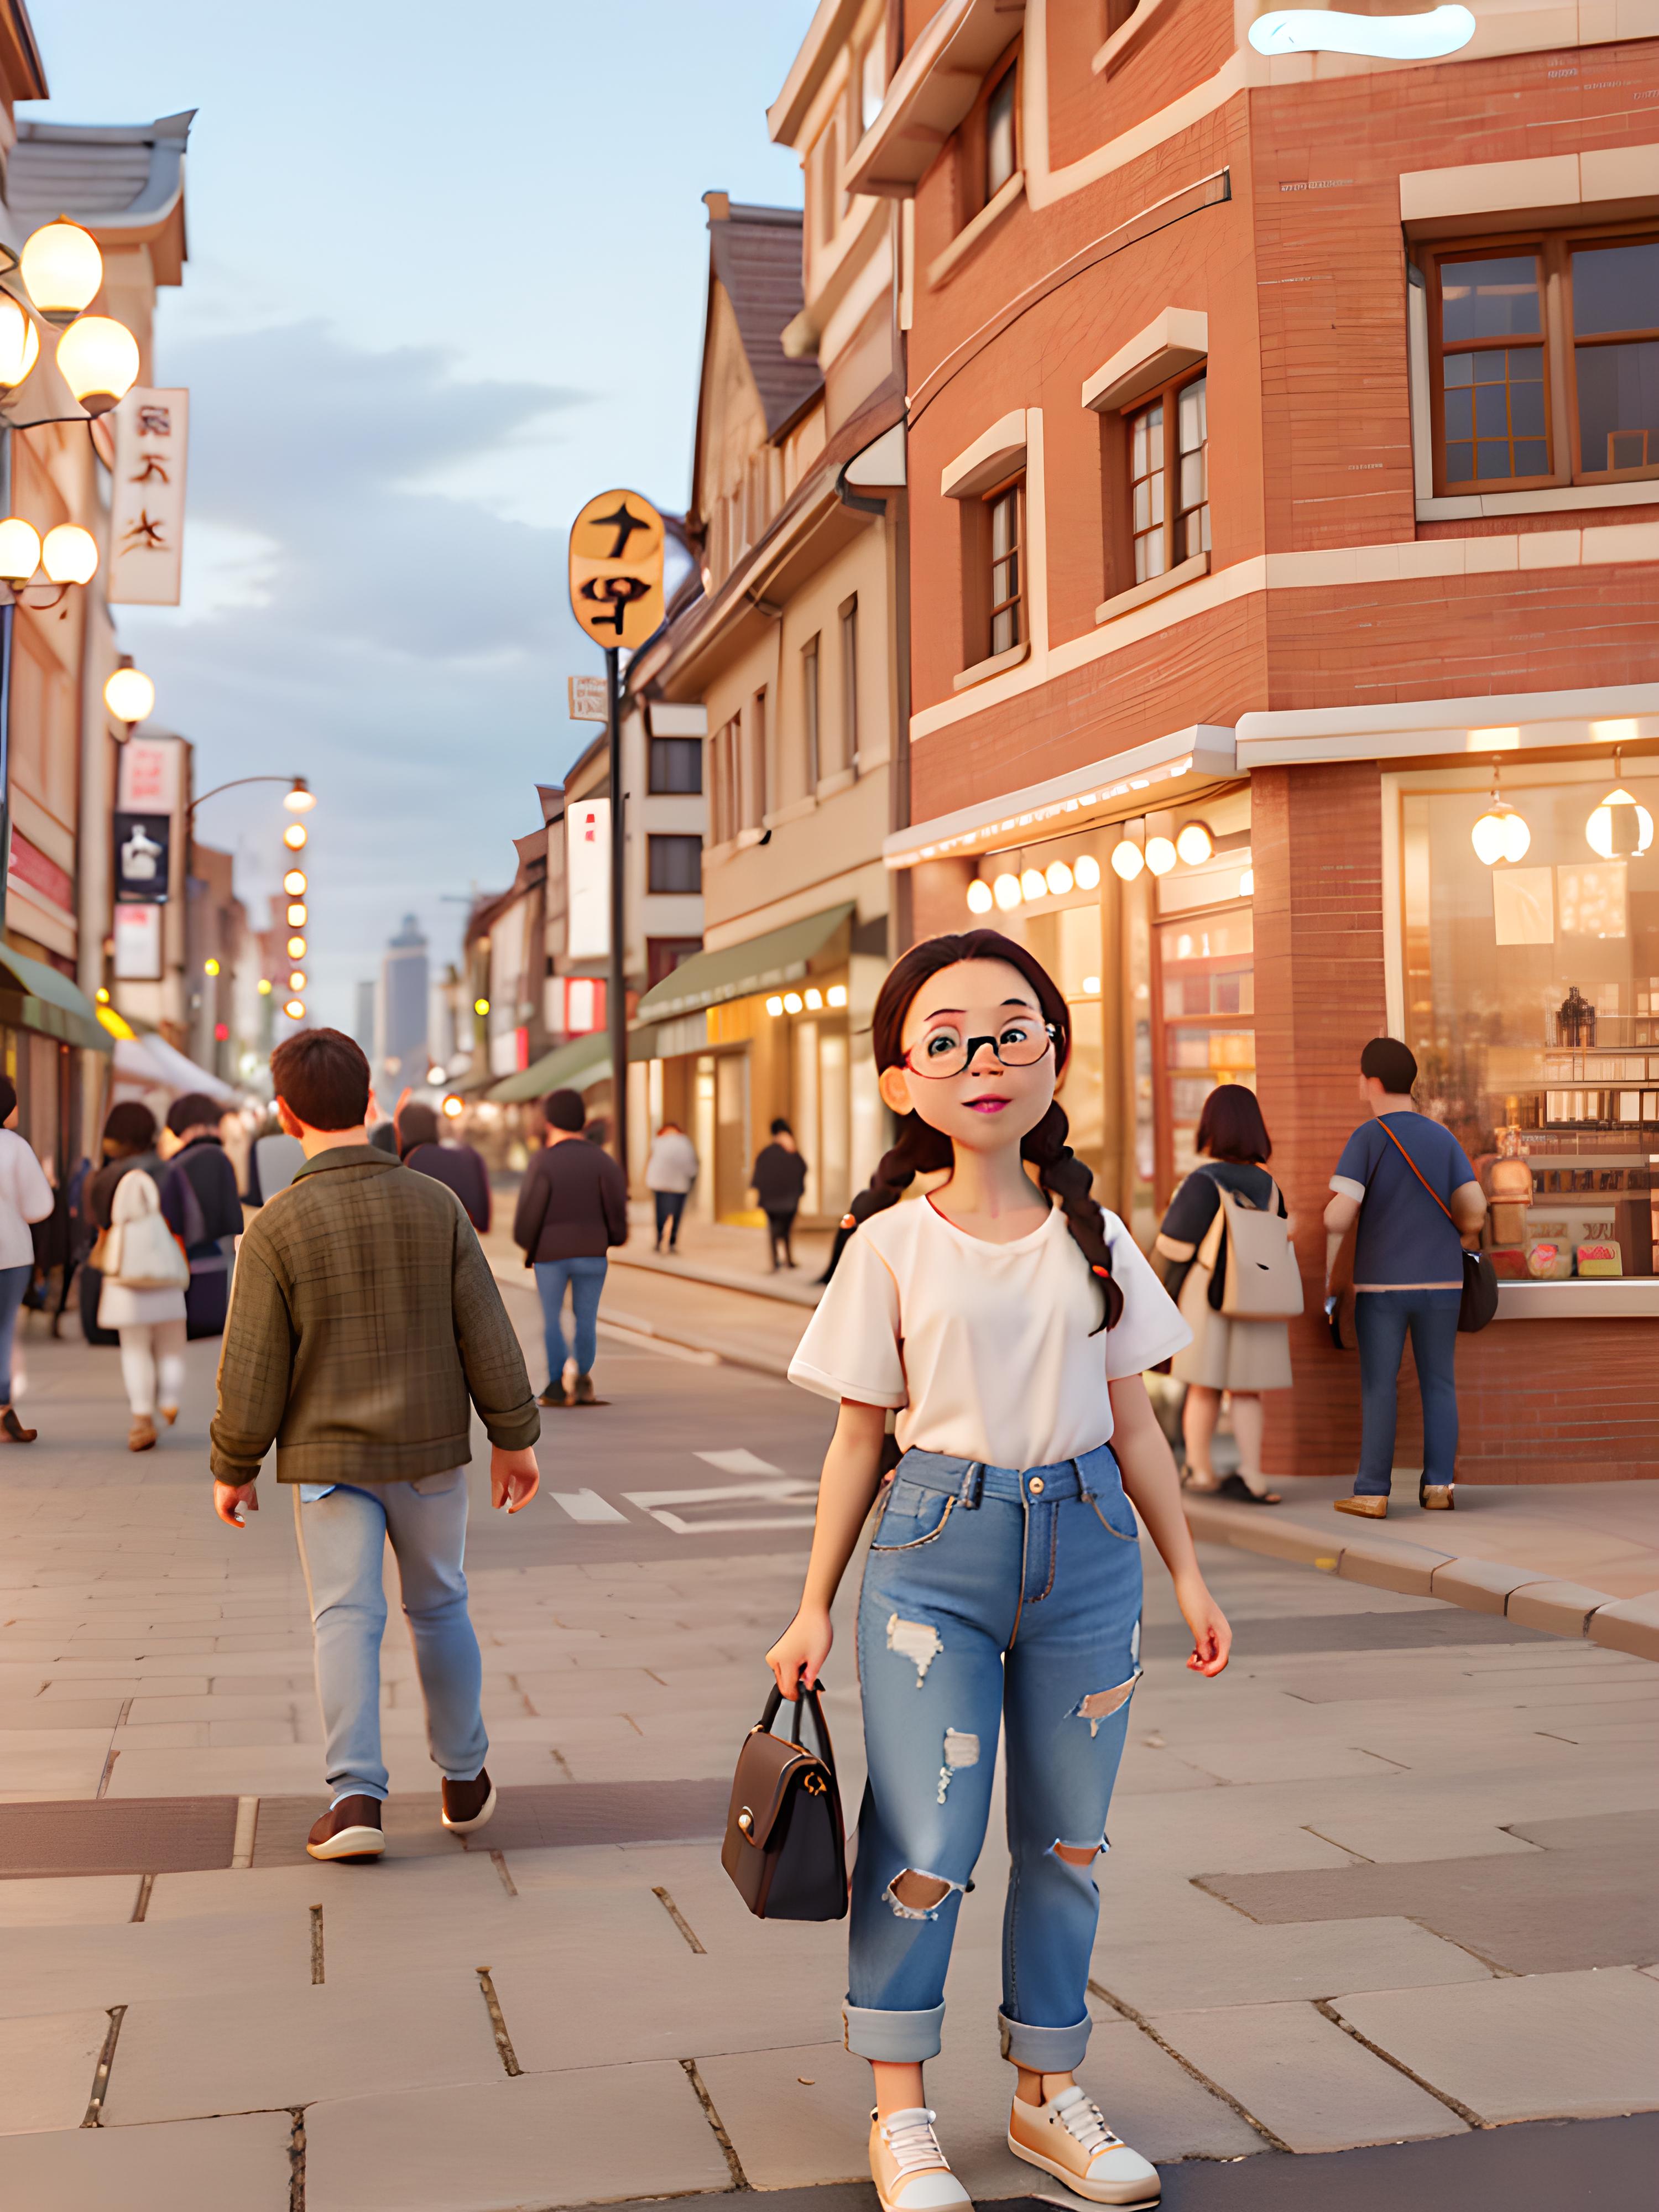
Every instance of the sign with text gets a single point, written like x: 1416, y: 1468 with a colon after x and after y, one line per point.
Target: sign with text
x: 574, y: 1005
x: 616, y: 568
x: 147, y: 504
x: 587, y: 700
x: 143, y: 843
x: 138, y: 944
x: 588, y: 879
x: 148, y: 781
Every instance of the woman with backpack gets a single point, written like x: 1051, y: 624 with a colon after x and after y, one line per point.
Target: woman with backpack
x: 145, y: 1274
x: 203, y: 1208
x: 1231, y: 1351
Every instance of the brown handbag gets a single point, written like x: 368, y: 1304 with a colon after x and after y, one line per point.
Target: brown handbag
x: 785, y: 1847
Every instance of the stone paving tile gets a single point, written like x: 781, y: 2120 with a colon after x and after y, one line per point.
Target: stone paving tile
x: 241, y: 2163
x: 1233, y: 1962
x: 51, y: 1762
x: 1299, y: 2075
x: 50, y: 1969
x: 542, y: 2140
x: 47, y: 2066
x: 1584, y: 2043
x: 67, y: 1901
x: 406, y: 1892
x: 182, y: 2058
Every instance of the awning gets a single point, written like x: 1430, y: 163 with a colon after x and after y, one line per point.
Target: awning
x: 133, y: 1065
x: 759, y: 963
x: 49, y: 1003
x: 577, y: 1065
x: 182, y: 1075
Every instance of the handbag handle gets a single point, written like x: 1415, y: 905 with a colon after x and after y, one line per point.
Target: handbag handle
x: 1419, y: 1173
x: 807, y: 1698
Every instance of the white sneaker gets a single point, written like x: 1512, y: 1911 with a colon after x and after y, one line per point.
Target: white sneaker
x: 1069, y: 2138
x: 910, y: 2171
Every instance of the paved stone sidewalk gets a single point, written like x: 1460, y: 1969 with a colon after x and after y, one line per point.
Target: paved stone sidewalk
x: 1389, y: 1881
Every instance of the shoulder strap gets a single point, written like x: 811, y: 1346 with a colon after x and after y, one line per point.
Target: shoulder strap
x: 1416, y: 1171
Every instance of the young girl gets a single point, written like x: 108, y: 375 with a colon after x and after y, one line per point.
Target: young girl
x: 1008, y: 1320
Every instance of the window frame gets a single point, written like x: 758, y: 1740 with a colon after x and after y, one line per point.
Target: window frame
x: 1553, y: 248
x: 1010, y: 489
x: 686, y: 747
x: 849, y: 684
x: 812, y: 679
x: 1006, y: 80
x: 661, y: 841
x: 1168, y: 395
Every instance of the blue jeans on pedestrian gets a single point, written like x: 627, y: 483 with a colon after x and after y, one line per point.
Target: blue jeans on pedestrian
x: 1381, y: 1319
x: 342, y: 1537
x: 586, y: 1279
x: 13, y: 1281
x: 671, y: 1204
x: 989, y: 1590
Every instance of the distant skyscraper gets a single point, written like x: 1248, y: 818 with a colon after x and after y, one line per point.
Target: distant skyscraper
x: 402, y: 1004
x: 363, y: 1028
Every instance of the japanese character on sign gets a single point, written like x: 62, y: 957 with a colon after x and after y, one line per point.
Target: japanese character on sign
x: 146, y: 512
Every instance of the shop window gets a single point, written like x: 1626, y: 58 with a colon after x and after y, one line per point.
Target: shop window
x: 1001, y: 135
x: 1531, y: 996
x: 1544, y: 361
x: 673, y: 865
x: 1169, y: 477
x: 1203, y: 999
x: 676, y: 765
x: 1003, y: 535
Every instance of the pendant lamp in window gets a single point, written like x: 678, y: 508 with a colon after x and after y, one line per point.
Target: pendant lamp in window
x: 1501, y: 834
x: 1621, y: 828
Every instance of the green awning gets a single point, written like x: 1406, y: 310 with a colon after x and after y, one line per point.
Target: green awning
x: 577, y: 1065
x: 760, y: 963
x: 49, y: 1004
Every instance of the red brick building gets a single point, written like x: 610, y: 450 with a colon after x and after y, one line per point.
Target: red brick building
x: 1283, y: 462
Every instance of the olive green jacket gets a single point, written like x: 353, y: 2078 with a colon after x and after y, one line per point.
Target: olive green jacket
x: 363, y: 1318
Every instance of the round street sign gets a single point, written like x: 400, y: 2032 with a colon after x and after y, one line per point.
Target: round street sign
x: 616, y: 568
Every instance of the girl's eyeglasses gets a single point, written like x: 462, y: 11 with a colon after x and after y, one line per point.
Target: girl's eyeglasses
x: 1018, y: 1043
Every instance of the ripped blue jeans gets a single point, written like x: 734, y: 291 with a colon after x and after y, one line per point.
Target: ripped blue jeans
x: 989, y: 1590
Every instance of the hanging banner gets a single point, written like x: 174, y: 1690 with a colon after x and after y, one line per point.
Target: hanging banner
x: 148, y: 781
x: 142, y: 850
x: 588, y: 879
x: 138, y: 944
x: 146, y: 505
x: 615, y: 569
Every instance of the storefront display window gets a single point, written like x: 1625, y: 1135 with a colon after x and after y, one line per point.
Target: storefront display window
x: 1531, y: 997
x: 1205, y: 997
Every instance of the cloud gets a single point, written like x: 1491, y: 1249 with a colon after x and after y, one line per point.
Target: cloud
x: 403, y: 645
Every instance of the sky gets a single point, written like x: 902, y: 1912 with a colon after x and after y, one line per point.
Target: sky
x: 446, y: 279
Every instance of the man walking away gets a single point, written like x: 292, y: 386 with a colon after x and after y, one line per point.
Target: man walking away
x: 669, y: 1173
x: 364, y: 1317
x: 203, y: 1208
x: 779, y: 1179
x: 458, y: 1166
x: 1408, y: 1182
x: 573, y: 1207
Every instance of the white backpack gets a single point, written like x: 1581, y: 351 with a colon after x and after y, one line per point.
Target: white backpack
x: 1263, y: 1281
x: 141, y: 1253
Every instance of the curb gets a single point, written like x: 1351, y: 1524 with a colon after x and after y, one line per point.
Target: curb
x: 726, y: 1349
x: 1518, y: 1594
x: 717, y: 1279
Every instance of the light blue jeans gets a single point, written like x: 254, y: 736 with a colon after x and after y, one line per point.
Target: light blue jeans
x: 988, y: 1591
x: 342, y: 1537
x: 586, y: 1279
x: 13, y: 1281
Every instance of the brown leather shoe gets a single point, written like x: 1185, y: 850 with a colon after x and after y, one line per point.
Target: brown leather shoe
x: 468, y: 1805
x: 585, y: 1392
x: 14, y: 1428
x: 141, y: 1437
x: 1369, y: 1509
x: 1436, y: 1498
x: 553, y: 1395
x: 349, y: 1830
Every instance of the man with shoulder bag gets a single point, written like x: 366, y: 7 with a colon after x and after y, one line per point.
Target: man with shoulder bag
x: 1404, y: 1185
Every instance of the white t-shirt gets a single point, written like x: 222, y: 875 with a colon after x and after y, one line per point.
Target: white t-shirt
x: 987, y: 1348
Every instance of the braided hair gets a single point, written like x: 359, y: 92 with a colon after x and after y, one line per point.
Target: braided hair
x: 922, y: 1149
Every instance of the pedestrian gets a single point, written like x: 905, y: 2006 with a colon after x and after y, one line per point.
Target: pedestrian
x: 778, y: 1180
x: 1008, y: 1322
x: 146, y: 1276
x: 1407, y: 1183
x: 457, y: 1166
x: 204, y: 1209
x: 670, y: 1172
x: 365, y: 1318
x: 573, y: 1207
x: 26, y: 1197
x: 274, y: 1158
x: 143, y: 1321
x: 1236, y: 1357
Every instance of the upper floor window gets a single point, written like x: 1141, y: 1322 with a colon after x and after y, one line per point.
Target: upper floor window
x: 1544, y: 362
x: 676, y: 765
x: 849, y: 682
x: 829, y: 184
x: 873, y: 79
x: 810, y: 702
x: 1169, y: 478
x: 673, y: 864
x: 1005, y: 512
x: 726, y: 777
x: 1001, y: 156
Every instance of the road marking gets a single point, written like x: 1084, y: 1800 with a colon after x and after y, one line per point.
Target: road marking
x: 586, y: 1505
x: 738, y: 1462
x: 793, y: 1504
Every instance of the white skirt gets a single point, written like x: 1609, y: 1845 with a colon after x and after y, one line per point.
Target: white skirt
x: 121, y: 1308
x: 1246, y: 1356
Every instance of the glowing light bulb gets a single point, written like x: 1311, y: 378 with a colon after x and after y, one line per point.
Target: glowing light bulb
x: 481, y: 1005
x: 814, y: 1002
x: 294, y: 881
x: 295, y: 1009
x: 1033, y: 884
x: 453, y: 1108
x: 1059, y: 878
x: 837, y: 994
x: 1128, y: 860
x: 1086, y: 869
x: 1161, y: 855
x: 69, y: 554
x: 296, y: 914
x: 210, y: 967
x: 1006, y: 892
x: 264, y: 987
x: 774, y: 1005
x: 20, y: 550
x: 296, y: 981
x: 296, y: 948
x: 1621, y: 828
x: 295, y: 837
x: 791, y: 1002
x: 980, y: 898
x: 61, y: 268
x: 1194, y: 843
x: 129, y: 695
x: 99, y: 360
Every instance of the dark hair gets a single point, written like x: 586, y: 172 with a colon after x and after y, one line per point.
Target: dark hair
x: 1393, y: 1064
x: 781, y: 1129
x: 1231, y: 1127
x: 921, y: 1150
x: 8, y: 1097
x: 194, y: 1110
x: 131, y: 1124
x: 322, y: 1077
x: 417, y: 1125
x: 563, y: 1110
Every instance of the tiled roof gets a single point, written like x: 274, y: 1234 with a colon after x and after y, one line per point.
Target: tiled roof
x: 757, y: 259
x: 111, y: 176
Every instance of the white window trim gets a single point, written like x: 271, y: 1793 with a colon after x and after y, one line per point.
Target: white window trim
x: 943, y: 264
x: 1128, y: 35
x: 1177, y: 339
x: 995, y: 453
x: 1125, y: 602
x: 1523, y: 190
